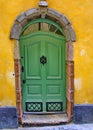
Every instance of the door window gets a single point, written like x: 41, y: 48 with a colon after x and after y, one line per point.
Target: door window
x: 42, y: 25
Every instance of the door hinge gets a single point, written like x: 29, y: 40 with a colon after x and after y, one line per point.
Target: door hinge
x: 22, y: 57
x: 22, y: 68
x: 24, y: 81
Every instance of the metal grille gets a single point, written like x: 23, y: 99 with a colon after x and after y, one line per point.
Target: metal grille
x: 33, y: 106
x: 54, y: 106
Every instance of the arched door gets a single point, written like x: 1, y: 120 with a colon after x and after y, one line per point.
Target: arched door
x: 43, y: 65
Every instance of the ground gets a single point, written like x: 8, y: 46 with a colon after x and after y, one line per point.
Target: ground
x: 70, y: 126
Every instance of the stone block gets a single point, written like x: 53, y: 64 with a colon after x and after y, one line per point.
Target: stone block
x: 15, y: 31
x: 64, y: 20
x: 8, y: 117
x: 43, y: 3
x: 67, y: 34
x: 32, y: 13
x: 21, y: 17
x: 83, y: 114
x: 52, y: 12
x: 71, y: 32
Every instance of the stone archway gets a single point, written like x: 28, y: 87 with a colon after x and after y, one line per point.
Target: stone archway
x: 44, y: 12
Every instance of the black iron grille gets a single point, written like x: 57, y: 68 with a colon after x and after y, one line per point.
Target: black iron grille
x: 34, y: 106
x: 54, y: 106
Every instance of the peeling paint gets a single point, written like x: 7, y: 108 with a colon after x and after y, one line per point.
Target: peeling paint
x: 10, y: 77
x: 82, y: 53
x: 86, y: 102
x: 78, y: 83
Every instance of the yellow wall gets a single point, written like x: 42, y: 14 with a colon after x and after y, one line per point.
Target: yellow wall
x: 80, y: 12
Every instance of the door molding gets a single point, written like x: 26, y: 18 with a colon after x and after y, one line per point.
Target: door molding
x: 44, y: 12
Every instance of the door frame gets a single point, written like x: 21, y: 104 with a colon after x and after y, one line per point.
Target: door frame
x: 44, y: 12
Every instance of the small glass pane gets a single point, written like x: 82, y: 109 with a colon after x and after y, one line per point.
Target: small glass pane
x: 45, y: 27
x: 59, y: 32
x: 52, y: 28
x: 32, y: 28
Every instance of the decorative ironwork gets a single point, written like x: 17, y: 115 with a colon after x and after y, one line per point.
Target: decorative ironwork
x: 43, y: 60
x: 33, y: 106
x: 54, y: 106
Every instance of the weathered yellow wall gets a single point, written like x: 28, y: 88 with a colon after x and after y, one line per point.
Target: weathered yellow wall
x: 80, y: 12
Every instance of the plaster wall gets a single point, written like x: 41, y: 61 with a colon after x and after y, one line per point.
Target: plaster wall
x: 80, y: 14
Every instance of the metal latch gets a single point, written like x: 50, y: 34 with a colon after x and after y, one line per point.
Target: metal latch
x: 22, y: 68
x: 24, y: 81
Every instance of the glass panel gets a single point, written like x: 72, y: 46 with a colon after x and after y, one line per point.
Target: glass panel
x: 32, y: 28
x: 55, y: 30
x: 45, y: 27
x: 41, y: 26
x: 59, y: 32
x: 52, y: 28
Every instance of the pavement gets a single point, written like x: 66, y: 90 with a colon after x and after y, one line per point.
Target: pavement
x: 70, y: 126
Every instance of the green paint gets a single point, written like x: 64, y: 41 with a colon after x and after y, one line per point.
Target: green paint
x: 44, y: 83
x: 32, y: 26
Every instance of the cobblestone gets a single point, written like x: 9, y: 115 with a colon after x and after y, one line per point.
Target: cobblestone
x: 59, y: 127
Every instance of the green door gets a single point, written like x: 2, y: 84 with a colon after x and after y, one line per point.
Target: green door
x: 43, y: 72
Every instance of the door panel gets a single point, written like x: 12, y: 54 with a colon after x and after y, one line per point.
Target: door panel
x: 44, y: 87
x: 54, y: 67
x: 34, y: 90
x: 32, y: 55
x: 53, y: 90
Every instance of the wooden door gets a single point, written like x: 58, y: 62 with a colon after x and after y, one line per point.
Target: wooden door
x: 43, y: 72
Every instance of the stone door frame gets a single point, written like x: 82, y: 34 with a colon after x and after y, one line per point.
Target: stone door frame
x: 44, y: 12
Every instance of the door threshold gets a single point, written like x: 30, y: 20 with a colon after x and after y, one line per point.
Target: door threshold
x: 43, y: 113
x: 43, y: 120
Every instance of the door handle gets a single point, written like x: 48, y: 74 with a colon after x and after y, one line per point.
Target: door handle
x: 43, y: 60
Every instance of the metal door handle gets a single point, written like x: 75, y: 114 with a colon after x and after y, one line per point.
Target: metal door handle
x: 43, y: 60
